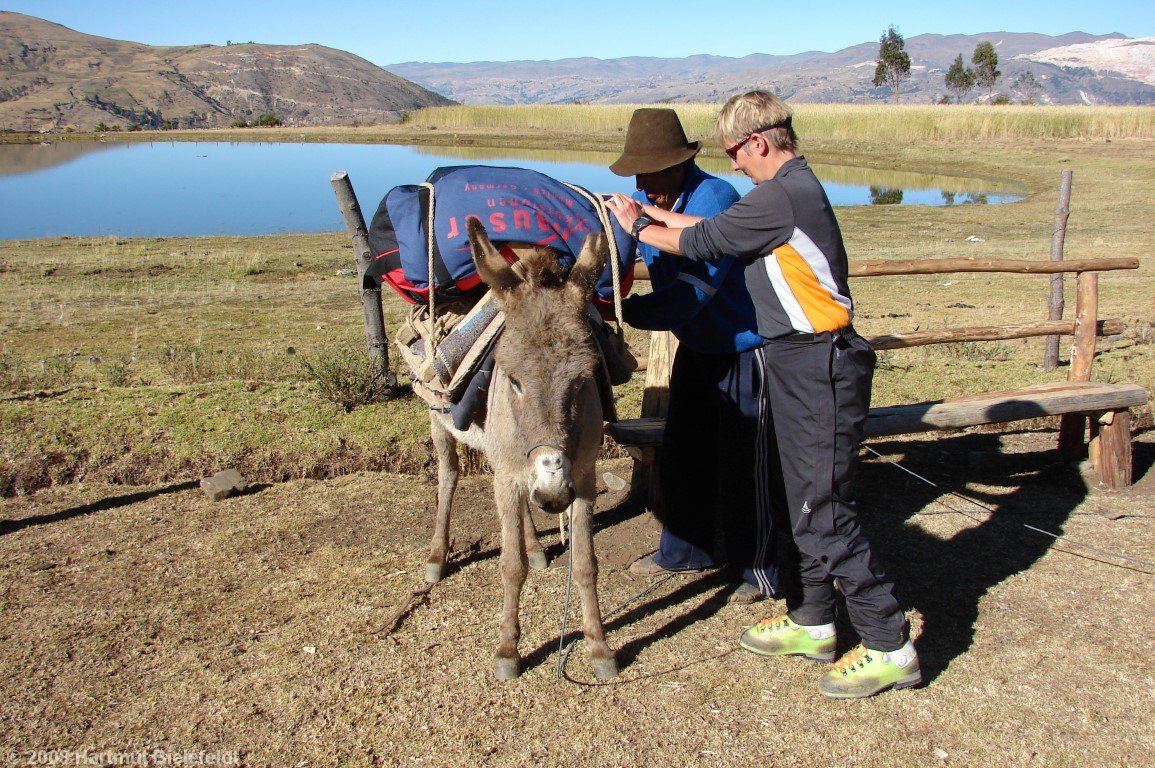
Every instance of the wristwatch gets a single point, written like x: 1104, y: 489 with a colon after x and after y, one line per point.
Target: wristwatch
x: 640, y: 223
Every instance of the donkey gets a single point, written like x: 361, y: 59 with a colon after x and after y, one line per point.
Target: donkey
x: 542, y: 431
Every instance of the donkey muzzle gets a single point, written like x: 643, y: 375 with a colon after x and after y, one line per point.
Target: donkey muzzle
x: 551, y: 479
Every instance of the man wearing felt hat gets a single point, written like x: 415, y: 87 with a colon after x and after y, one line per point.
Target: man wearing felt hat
x: 713, y: 401
x: 817, y: 378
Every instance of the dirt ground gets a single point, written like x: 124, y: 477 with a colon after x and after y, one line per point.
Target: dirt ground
x: 150, y: 621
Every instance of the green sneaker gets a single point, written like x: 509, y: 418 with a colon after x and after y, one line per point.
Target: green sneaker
x: 779, y: 636
x: 863, y: 672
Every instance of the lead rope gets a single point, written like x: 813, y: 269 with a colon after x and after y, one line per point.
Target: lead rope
x: 1055, y: 536
x: 615, y: 255
x: 561, y: 653
x: 565, y: 650
x: 429, y: 245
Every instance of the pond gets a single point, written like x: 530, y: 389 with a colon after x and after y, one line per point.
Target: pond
x: 194, y: 188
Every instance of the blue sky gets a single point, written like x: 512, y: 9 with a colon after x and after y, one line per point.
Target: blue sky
x: 388, y: 32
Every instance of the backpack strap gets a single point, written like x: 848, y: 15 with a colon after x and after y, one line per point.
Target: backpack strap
x: 425, y: 195
x: 600, y: 209
x: 618, y: 364
x: 437, y: 267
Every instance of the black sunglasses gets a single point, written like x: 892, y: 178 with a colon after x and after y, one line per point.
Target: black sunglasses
x: 733, y: 151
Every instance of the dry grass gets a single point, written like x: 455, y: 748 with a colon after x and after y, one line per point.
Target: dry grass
x: 152, y: 618
x: 826, y: 122
x: 543, y: 125
x: 139, y: 615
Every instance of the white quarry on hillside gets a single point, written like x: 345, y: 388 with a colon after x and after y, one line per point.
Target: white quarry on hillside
x: 1133, y: 57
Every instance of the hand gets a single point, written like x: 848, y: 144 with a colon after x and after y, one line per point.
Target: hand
x: 625, y: 209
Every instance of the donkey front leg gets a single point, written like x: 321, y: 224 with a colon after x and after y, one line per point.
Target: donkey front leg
x: 534, y: 552
x: 448, y: 468
x: 585, y: 575
x: 512, y: 504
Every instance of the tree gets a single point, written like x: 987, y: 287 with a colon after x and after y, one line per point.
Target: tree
x: 1029, y: 86
x: 960, y: 79
x: 986, y: 63
x: 893, y: 61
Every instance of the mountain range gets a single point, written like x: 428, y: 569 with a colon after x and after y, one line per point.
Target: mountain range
x: 54, y: 78
x: 1075, y: 68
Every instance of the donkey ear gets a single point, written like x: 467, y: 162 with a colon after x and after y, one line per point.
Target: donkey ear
x: 490, y: 265
x: 590, y: 263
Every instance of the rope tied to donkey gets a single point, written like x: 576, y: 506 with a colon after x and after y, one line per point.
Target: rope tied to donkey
x: 535, y: 446
x: 1056, y: 536
x: 599, y: 206
x: 563, y: 650
x: 430, y: 247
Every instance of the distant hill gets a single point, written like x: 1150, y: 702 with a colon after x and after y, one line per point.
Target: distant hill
x: 54, y: 77
x: 1075, y: 68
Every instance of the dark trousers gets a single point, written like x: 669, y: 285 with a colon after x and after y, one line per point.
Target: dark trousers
x: 817, y: 395
x: 706, y: 466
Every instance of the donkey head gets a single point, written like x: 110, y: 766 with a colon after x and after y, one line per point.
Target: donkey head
x: 548, y: 356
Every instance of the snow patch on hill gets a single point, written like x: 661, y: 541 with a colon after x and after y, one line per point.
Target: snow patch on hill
x: 1134, y: 57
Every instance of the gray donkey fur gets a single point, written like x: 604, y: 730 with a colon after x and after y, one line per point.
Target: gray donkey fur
x: 542, y: 432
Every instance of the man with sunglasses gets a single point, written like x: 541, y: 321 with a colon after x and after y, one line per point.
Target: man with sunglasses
x: 713, y: 404
x: 816, y: 377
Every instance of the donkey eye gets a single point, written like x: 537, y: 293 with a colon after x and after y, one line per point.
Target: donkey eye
x: 516, y: 385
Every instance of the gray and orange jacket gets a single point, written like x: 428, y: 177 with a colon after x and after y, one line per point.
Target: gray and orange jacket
x: 786, y: 232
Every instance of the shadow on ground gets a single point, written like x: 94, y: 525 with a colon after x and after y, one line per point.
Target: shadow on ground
x: 1015, y: 503
x: 11, y: 526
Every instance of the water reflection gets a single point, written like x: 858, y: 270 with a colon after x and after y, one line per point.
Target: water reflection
x: 201, y: 188
x: 909, y: 181
x: 16, y: 159
x: 492, y: 155
x: 885, y: 195
x: 964, y: 198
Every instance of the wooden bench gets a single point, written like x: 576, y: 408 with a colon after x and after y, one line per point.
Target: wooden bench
x: 1080, y: 403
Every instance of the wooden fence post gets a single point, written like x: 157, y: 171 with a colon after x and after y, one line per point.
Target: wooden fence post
x: 656, y: 394
x: 1086, y: 320
x: 1058, y: 237
x: 375, y: 337
x: 1073, y: 426
x: 644, y: 480
x: 1114, y: 457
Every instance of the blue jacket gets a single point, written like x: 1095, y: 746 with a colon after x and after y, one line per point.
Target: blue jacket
x: 705, y: 303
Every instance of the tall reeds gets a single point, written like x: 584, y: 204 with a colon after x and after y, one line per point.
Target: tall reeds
x: 840, y: 122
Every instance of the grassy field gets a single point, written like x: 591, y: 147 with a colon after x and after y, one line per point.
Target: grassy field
x: 147, y: 360
x: 596, y: 125
x: 136, y: 615
x: 839, y: 122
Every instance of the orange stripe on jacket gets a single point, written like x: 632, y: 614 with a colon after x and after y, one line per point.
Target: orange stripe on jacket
x: 823, y: 312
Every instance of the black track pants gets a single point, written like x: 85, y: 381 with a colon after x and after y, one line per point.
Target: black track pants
x: 816, y: 399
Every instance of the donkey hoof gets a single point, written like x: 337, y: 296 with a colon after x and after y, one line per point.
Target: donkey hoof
x: 506, y: 669
x: 538, y: 561
x: 605, y: 669
x: 434, y: 572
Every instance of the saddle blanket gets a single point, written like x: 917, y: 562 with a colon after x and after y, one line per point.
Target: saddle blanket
x: 417, y: 226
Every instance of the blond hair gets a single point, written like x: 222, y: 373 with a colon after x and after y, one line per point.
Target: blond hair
x: 746, y: 113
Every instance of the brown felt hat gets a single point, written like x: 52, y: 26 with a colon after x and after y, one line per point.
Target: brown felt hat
x: 655, y: 141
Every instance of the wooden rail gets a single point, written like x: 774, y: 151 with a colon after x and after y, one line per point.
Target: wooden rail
x: 989, y: 333
x: 1079, y: 403
x: 1009, y: 266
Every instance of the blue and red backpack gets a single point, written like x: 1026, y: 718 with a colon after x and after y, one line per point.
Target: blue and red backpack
x: 514, y: 204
